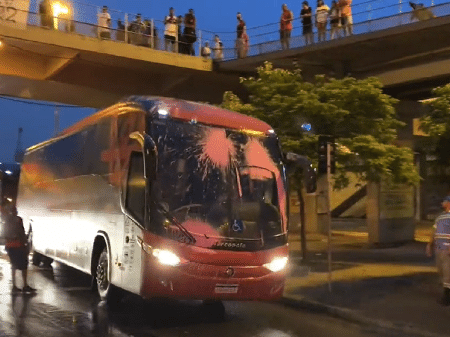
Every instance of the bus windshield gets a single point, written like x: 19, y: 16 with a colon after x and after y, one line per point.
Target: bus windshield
x: 222, y: 187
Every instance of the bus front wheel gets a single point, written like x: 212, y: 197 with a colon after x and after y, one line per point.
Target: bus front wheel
x: 102, y: 275
x: 107, y: 292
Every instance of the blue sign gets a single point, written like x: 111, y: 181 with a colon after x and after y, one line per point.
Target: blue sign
x: 238, y: 226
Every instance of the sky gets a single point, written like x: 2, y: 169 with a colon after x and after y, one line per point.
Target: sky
x: 37, y: 120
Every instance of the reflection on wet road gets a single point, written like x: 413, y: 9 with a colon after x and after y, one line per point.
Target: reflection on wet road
x: 65, y: 306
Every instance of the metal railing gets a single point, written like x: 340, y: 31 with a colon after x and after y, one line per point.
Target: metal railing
x: 368, y: 17
x: 81, y: 18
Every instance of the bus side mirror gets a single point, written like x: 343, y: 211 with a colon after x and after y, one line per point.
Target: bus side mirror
x: 309, y: 174
x: 150, y: 153
x: 150, y: 157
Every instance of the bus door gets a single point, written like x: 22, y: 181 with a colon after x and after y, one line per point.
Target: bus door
x: 133, y: 224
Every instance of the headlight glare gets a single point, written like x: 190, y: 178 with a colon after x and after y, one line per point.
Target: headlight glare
x: 166, y: 257
x: 277, y: 264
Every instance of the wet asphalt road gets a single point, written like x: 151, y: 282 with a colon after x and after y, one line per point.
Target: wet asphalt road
x: 65, y: 306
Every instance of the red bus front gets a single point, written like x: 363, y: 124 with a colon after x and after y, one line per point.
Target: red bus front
x: 217, y: 213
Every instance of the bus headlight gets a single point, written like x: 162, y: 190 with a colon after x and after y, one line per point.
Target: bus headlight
x: 166, y: 257
x: 277, y: 264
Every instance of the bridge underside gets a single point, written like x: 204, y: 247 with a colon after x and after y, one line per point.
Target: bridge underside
x: 409, y: 59
x: 74, y: 69
x: 56, y: 66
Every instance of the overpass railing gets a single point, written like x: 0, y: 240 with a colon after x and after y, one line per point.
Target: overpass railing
x: 369, y: 16
x: 80, y: 18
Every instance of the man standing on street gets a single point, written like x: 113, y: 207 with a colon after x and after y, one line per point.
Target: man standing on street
x: 16, y: 246
x: 440, y: 240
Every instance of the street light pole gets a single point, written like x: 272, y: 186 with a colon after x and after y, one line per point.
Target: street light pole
x: 56, y: 119
x: 328, y: 178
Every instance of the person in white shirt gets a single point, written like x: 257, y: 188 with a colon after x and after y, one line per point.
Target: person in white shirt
x: 171, y: 31
x: 104, y: 24
x: 206, y: 51
x: 218, y: 49
x: 322, y: 12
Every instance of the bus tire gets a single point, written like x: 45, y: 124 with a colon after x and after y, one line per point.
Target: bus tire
x: 102, y: 275
x: 107, y: 292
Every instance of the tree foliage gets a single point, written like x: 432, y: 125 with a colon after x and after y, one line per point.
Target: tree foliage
x: 436, y: 123
x: 356, y: 112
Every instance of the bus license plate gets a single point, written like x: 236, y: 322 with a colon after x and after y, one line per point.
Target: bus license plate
x: 226, y: 288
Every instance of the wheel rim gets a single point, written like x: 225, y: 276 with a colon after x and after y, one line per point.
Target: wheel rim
x: 102, y: 274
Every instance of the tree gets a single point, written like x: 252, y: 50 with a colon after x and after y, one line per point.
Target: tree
x: 436, y: 123
x: 356, y: 112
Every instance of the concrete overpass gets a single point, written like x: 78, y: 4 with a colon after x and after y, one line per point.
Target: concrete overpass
x: 74, y: 69
x: 410, y: 58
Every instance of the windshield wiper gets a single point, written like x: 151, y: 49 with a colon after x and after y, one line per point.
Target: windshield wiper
x: 174, y: 221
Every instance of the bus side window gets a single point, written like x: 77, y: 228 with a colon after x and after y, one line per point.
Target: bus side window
x: 135, y: 195
x: 102, y: 146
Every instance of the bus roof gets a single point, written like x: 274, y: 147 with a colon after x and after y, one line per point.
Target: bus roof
x: 178, y: 109
x: 206, y: 114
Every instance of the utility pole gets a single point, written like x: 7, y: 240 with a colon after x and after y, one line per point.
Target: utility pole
x: 18, y: 154
x: 56, y: 115
x: 328, y: 175
x: 326, y: 167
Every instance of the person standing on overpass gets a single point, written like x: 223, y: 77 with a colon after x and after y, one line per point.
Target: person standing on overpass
x: 239, y: 36
x: 104, y: 24
x: 171, y: 31
x: 346, y: 16
x: 285, y: 26
x: 306, y: 15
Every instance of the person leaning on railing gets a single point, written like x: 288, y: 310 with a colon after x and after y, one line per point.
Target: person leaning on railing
x: 335, y: 17
x: 136, y: 31
x: 285, y: 26
x: 206, y: 51
x: 120, y: 33
x: 346, y: 16
x: 420, y: 12
x: 190, y: 23
x: 45, y: 13
x: 322, y: 20
x: 240, y: 43
x: 218, y: 48
x: 306, y: 15
x: 171, y: 31
x: 104, y: 24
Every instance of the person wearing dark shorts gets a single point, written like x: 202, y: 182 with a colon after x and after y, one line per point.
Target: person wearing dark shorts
x: 16, y: 246
x: 306, y: 15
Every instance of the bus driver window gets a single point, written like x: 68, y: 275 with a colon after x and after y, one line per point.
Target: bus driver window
x: 135, y: 197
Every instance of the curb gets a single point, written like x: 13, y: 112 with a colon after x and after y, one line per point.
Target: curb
x: 301, y: 303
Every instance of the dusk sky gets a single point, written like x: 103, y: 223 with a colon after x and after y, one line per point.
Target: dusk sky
x: 37, y: 121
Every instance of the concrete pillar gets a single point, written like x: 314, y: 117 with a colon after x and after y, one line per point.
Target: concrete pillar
x: 322, y: 204
x: 373, y: 211
x: 390, y: 213
x: 310, y: 213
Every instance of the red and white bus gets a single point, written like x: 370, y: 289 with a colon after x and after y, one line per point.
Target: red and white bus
x: 163, y: 198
